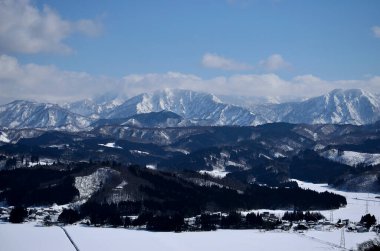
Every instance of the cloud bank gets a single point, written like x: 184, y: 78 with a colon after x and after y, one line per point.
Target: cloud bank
x: 26, y: 29
x: 48, y: 83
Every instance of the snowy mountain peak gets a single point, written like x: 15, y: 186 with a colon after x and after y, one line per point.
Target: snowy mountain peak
x: 352, y: 106
x: 28, y: 114
x: 189, y: 105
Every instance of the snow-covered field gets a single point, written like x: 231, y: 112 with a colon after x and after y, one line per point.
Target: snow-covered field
x: 356, y: 202
x: 30, y: 237
x: 355, y: 208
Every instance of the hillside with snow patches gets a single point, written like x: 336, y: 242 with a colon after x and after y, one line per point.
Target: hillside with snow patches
x: 352, y: 158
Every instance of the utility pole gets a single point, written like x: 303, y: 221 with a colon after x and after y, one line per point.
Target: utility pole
x: 331, y: 216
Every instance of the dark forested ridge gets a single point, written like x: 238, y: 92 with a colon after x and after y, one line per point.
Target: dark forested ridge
x: 146, y: 190
x: 266, y: 154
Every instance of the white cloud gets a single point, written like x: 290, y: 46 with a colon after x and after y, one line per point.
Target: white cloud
x: 274, y: 62
x: 26, y: 29
x: 215, y: 61
x: 376, y: 31
x: 48, y: 83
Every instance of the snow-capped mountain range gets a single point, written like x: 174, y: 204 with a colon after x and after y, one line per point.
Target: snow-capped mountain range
x: 353, y: 106
x: 27, y: 114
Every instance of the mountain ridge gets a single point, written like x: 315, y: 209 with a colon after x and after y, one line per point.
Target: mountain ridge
x: 351, y: 106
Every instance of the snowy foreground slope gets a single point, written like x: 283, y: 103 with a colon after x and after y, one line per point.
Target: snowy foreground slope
x: 30, y: 237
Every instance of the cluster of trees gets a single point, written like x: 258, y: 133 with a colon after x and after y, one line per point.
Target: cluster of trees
x: 168, y: 193
x: 371, y: 245
x: 300, y: 215
x: 368, y: 220
x: 18, y: 214
x: 310, y: 166
x: 37, y: 186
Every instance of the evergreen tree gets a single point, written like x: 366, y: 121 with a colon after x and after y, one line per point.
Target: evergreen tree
x: 18, y: 214
x: 368, y: 220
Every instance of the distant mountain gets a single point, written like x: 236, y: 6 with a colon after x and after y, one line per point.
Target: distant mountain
x: 195, y: 106
x: 189, y: 108
x: 151, y: 119
x: 93, y: 109
x: 84, y: 107
x: 353, y: 106
x: 26, y: 114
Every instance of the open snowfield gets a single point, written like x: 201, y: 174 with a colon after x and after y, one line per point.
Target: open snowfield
x: 30, y: 237
x: 356, y: 202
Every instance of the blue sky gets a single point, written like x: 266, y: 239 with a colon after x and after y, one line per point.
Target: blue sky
x: 329, y: 42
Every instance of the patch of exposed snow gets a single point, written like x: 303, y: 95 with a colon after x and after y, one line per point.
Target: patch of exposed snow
x: 121, y: 185
x: 203, y: 182
x: 233, y: 163
x: 286, y: 148
x: 215, y: 173
x: 278, y: 155
x: 4, y: 137
x: 61, y: 146
x: 184, y: 151
x: 318, y: 147
x: 151, y: 166
x: 111, y: 145
x: 265, y: 156
x: 139, y: 152
x: 43, y: 161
